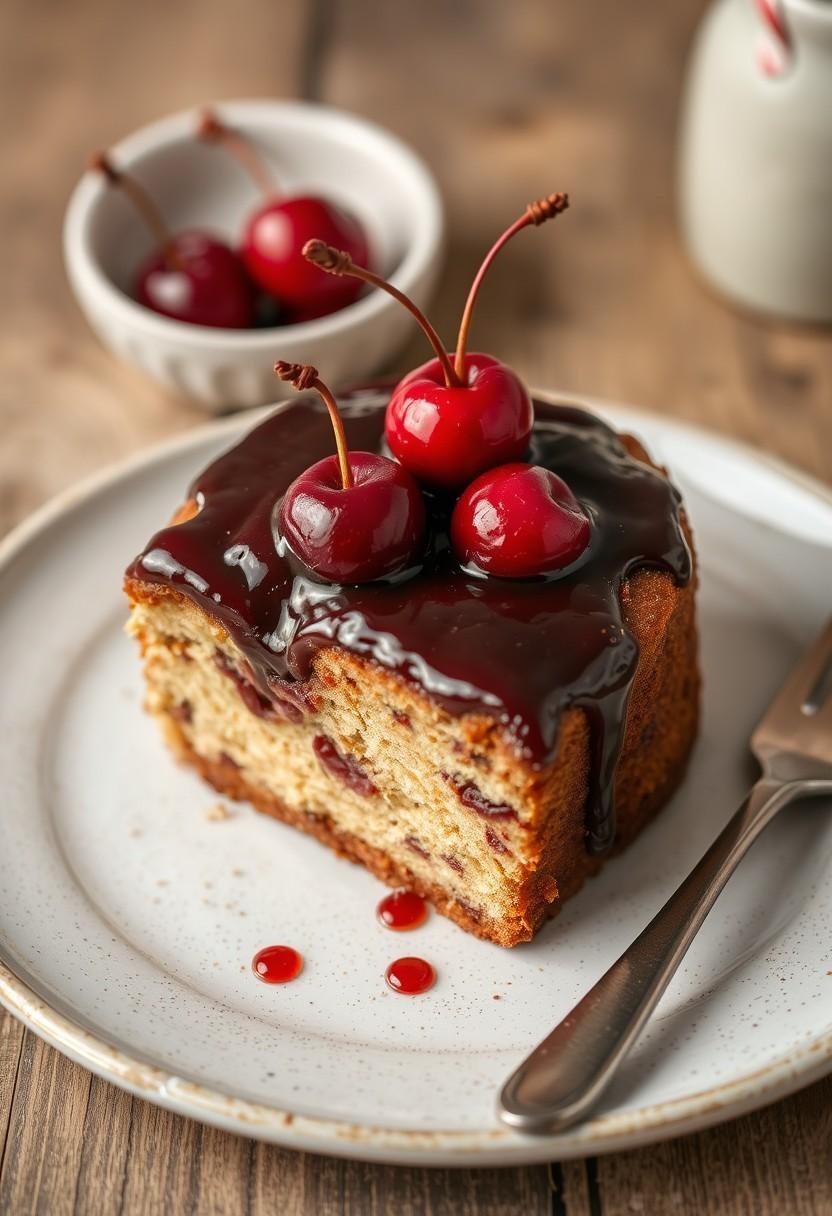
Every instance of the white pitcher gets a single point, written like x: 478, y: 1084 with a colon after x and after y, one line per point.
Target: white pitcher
x: 755, y: 174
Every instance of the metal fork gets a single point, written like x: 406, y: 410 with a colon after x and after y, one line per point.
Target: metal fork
x: 563, y: 1078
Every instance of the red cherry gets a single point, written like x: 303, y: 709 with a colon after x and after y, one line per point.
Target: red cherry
x: 197, y: 278
x: 191, y: 277
x: 447, y: 435
x: 518, y: 521
x: 272, y: 242
x: 353, y: 517
x: 277, y: 231
x: 447, y: 422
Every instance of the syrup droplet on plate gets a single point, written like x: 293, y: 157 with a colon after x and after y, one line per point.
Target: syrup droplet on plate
x: 277, y: 964
x: 402, y: 910
x: 410, y: 976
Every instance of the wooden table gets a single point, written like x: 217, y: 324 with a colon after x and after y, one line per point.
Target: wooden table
x: 506, y: 101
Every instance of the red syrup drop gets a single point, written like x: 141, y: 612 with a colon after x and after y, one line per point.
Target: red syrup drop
x: 277, y: 964
x: 410, y: 976
x: 402, y: 910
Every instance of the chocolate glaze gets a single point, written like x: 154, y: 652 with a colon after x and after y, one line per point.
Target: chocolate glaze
x: 518, y: 651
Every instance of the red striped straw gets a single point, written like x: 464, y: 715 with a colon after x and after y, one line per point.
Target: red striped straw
x: 774, y: 49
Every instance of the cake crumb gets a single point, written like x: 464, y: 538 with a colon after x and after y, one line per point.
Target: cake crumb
x: 237, y: 872
x: 496, y: 996
x: 217, y: 812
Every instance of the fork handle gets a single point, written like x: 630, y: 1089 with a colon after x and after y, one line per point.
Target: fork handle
x: 565, y: 1075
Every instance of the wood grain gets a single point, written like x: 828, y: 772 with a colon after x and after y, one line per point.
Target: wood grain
x: 506, y: 102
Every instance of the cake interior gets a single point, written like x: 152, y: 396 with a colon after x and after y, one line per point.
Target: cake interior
x: 425, y: 800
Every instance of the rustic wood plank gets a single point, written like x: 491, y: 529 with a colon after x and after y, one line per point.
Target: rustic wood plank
x: 101, y: 1165
x: 350, y: 1188
x: 522, y: 99
x: 11, y: 1049
x: 45, y: 1132
x: 194, y: 1168
x: 83, y: 79
x: 776, y: 1160
x: 570, y: 1189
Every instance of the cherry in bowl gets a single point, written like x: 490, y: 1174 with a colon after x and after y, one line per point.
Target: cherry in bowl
x: 275, y: 233
x: 354, y: 517
x: 519, y: 521
x: 191, y: 276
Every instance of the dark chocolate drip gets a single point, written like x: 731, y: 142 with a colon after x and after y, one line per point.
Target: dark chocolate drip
x: 518, y: 651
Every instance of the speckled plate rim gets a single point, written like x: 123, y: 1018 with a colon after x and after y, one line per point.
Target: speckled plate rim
x: 496, y: 1146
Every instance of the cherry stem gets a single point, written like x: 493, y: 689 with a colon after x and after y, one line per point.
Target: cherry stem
x: 211, y: 130
x: 303, y: 376
x: 143, y: 203
x: 338, y: 262
x: 536, y: 213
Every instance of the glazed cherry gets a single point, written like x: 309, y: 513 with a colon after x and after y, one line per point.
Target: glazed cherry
x: 453, y: 418
x: 354, y: 517
x: 518, y: 521
x: 192, y: 276
x: 446, y: 435
x: 275, y: 233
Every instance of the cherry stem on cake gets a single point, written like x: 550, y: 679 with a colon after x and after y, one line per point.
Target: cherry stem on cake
x: 213, y: 131
x: 141, y: 200
x: 535, y: 214
x: 303, y: 376
x: 338, y: 262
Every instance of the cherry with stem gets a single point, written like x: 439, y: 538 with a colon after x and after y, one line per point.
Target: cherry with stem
x: 276, y: 231
x: 450, y: 420
x: 330, y: 515
x: 192, y: 276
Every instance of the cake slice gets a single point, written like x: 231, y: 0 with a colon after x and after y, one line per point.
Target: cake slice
x: 483, y: 742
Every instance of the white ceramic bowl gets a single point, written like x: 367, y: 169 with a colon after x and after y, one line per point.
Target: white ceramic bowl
x: 316, y: 148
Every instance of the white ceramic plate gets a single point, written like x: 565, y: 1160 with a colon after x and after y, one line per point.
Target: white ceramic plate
x: 128, y: 916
